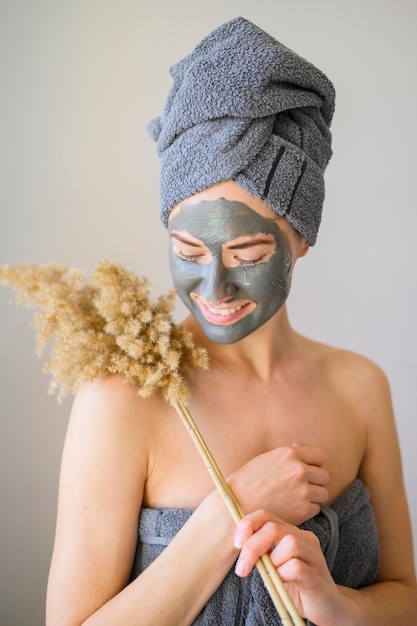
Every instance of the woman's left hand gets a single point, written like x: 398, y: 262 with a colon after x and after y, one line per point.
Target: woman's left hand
x: 300, y: 563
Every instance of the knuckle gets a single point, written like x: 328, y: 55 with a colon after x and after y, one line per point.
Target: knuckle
x: 297, y: 569
x: 270, y: 527
x: 291, y: 543
x: 311, y: 510
x: 326, y: 476
x: 288, y: 452
x: 299, y: 473
x: 312, y: 539
x: 261, y: 512
x: 325, y: 494
x: 315, y: 509
x: 307, y: 510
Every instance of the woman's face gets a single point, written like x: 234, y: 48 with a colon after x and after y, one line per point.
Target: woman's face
x: 231, y: 265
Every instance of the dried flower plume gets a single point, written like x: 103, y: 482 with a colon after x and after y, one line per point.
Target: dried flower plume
x: 106, y: 326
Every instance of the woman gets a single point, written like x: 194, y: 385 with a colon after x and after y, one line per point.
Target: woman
x: 304, y: 432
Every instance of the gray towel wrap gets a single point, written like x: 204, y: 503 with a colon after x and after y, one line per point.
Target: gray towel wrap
x: 244, y: 107
x: 325, y: 511
x: 347, y: 533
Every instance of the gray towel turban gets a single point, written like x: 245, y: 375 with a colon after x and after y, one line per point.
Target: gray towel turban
x: 244, y: 107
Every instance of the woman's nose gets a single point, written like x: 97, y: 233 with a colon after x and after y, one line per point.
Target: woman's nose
x: 216, y: 284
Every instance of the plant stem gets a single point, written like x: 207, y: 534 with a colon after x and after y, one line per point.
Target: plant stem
x: 279, y: 595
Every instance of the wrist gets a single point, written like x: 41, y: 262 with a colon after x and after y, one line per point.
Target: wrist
x: 239, y: 491
x: 217, y: 517
x: 351, y: 614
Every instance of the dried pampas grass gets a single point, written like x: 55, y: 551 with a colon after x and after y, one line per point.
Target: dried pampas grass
x: 105, y: 326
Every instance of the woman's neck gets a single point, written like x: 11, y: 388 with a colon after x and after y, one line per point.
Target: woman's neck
x: 260, y: 353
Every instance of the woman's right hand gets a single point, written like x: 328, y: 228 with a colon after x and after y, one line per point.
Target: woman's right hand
x: 289, y: 482
x: 300, y: 563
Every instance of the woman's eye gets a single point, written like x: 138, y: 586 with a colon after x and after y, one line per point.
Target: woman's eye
x: 248, y: 262
x: 188, y: 257
x: 250, y: 255
x: 188, y: 248
x: 185, y: 256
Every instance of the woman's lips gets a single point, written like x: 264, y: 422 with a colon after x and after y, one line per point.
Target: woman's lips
x: 225, y: 311
x: 223, y: 315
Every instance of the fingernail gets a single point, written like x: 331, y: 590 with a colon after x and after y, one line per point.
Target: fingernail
x: 239, y: 540
x: 240, y: 568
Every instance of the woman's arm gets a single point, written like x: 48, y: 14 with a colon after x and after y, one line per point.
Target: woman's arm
x: 104, y: 468
x: 393, y: 598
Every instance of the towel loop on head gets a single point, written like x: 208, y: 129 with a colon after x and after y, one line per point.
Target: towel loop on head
x: 244, y: 107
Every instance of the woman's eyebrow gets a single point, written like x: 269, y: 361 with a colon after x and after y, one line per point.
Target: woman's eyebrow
x: 250, y: 243
x: 184, y: 239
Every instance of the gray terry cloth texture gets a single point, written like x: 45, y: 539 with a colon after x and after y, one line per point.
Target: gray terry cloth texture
x: 347, y: 533
x: 244, y: 107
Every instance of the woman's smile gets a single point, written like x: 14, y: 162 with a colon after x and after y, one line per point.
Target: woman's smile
x: 224, y: 314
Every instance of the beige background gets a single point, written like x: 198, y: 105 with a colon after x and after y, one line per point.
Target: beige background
x: 79, y: 181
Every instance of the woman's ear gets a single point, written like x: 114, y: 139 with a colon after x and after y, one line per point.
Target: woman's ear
x: 303, y: 247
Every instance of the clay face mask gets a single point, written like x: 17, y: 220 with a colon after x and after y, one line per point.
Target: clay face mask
x: 230, y: 266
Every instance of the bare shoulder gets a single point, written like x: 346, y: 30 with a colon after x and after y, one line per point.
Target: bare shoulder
x: 111, y: 389
x: 110, y: 428
x: 358, y: 379
x: 112, y: 402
